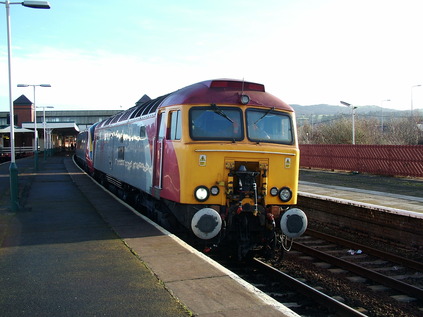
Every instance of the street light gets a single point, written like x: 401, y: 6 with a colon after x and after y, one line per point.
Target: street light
x: 35, y: 4
x: 381, y: 107
x: 14, y: 203
x: 353, y: 119
x: 35, y: 123
x: 412, y: 97
x: 44, y: 127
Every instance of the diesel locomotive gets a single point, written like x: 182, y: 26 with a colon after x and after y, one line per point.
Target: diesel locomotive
x: 218, y: 158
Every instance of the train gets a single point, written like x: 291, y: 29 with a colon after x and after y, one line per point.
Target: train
x: 217, y: 159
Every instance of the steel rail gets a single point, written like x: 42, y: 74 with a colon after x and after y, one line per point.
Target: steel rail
x: 321, y: 298
x: 372, y: 275
x: 368, y: 250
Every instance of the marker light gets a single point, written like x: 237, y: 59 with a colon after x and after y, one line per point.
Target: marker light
x: 245, y: 99
x: 214, y: 190
x: 201, y: 193
x: 273, y: 191
x: 285, y: 194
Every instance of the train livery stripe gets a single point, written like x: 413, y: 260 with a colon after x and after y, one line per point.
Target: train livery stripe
x: 244, y: 151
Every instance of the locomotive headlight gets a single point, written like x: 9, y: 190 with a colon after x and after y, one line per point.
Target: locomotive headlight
x: 285, y: 194
x: 273, y: 191
x: 214, y: 190
x: 244, y: 99
x: 201, y: 193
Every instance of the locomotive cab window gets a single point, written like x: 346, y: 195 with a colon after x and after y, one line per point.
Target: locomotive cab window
x: 216, y: 123
x: 269, y: 126
x: 175, y: 125
x: 161, y: 120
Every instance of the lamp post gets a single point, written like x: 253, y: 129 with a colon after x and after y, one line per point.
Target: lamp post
x: 414, y: 86
x: 35, y: 123
x: 353, y: 118
x: 14, y: 202
x: 44, y: 128
x: 381, y: 107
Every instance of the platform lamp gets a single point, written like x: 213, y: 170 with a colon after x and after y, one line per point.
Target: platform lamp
x: 381, y: 107
x: 14, y: 201
x: 353, y: 118
x: 35, y: 123
x: 44, y: 128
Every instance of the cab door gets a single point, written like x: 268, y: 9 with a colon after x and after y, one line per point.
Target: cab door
x: 158, y: 154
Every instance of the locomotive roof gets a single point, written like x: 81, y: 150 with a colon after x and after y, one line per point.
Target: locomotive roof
x: 224, y: 91
x: 218, y: 91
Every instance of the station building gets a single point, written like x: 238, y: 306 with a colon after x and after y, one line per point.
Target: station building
x: 55, y: 129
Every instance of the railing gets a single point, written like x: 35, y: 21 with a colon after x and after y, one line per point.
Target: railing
x: 394, y: 160
x: 19, y: 150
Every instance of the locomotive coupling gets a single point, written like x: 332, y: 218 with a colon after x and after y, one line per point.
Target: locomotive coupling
x: 206, y: 223
x: 293, y: 223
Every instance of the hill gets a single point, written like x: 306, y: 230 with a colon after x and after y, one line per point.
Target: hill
x: 324, y: 113
x: 324, y: 109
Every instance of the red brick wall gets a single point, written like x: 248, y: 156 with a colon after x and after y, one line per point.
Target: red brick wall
x: 395, y: 160
x: 24, y: 113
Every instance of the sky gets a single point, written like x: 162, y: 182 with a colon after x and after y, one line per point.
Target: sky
x: 105, y: 55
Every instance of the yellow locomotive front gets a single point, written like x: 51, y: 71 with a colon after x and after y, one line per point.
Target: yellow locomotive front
x: 238, y: 167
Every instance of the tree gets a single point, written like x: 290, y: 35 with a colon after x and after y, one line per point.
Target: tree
x: 396, y: 131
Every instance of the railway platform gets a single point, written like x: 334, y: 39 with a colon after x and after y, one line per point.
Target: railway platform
x: 392, y: 192
x: 75, y: 250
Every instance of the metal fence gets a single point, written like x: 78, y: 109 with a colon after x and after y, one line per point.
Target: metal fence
x: 20, y: 151
x: 394, y: 160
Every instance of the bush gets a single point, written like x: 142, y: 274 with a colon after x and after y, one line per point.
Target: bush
x: 395, y: 131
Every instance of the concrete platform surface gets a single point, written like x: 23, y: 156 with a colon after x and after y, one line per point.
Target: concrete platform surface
x: 75, y: 250
x: 391, y: 192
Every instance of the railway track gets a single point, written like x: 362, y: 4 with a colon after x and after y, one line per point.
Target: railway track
x: 411, y: 267
x: 323, y: 303
x: 328, y: 276
x: 382, y: 283
x: 301, y: 298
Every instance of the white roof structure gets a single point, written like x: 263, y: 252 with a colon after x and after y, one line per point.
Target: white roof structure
x: 58, y: 127
x: 16, y: 130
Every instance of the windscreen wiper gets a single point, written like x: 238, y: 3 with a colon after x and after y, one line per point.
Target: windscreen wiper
x: 219, y: 111
x: 265, y: 114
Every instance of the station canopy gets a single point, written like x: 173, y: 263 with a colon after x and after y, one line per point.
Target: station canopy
x: 16, y: 130
x: 59, y: 128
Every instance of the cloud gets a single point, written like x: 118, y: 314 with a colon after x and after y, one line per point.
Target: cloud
x: 304, y: 52
x: 90, y: 79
